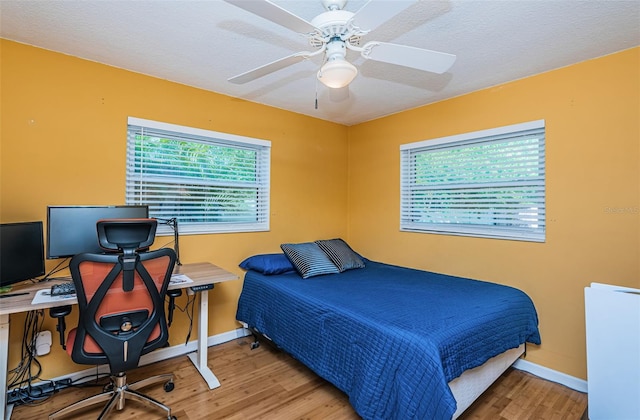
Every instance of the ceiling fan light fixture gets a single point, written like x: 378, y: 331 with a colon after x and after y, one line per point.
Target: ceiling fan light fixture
x: 337, y: 73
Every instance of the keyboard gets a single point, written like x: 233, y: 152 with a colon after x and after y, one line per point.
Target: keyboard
x: 66, y: 288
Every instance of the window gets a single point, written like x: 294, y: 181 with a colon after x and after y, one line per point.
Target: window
x: 487, y: 184
x: 209, y: 181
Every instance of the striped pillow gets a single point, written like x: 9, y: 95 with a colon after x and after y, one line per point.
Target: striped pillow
x: 341, y: 254
x: 308, y: 259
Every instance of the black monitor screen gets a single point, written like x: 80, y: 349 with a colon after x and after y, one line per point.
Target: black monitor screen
x: 21, y: 252
x: 72, y: 230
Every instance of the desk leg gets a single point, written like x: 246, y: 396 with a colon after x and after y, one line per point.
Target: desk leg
x: 199, y: 358
x: 4, y: 364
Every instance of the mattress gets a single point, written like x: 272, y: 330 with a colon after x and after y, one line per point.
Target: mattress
x: 390, y: 337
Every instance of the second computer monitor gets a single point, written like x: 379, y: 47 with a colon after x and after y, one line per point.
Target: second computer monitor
x: 72, y: 230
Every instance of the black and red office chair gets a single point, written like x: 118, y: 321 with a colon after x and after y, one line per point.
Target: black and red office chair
x: 121, y: 302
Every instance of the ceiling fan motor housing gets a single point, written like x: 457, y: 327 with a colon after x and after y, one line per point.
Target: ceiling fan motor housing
x: 333, y: 24
x: 336, y: 49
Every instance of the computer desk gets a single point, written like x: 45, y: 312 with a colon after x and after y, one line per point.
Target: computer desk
x: 200, y: 273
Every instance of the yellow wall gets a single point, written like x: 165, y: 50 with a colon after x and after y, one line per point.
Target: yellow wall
x: 63, y: 131
x: 592, y: 115
x: 63, y: 141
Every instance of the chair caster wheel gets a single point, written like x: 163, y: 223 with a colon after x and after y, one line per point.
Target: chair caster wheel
x: 168, y: 387
x: 255, y: 345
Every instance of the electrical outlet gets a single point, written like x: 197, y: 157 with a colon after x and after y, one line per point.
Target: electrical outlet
x: 43, y: 343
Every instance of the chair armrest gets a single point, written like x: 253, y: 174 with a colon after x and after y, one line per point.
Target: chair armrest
x: 173, y: 294
x: 60, y: 312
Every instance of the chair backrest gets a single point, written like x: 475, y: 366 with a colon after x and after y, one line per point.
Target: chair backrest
x: 121, y: 296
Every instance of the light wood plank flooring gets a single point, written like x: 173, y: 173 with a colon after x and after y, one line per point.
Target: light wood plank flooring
x: 268, y: 384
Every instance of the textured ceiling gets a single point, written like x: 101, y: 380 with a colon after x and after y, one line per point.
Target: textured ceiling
x: 203, y: 43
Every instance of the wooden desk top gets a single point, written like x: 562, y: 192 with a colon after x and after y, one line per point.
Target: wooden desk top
x: 200, y: 273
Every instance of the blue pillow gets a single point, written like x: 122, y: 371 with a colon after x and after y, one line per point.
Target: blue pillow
x: 309, y: 260
x: 268, y: 264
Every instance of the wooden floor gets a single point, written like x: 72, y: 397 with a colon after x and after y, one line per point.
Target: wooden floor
x: 267, y: 384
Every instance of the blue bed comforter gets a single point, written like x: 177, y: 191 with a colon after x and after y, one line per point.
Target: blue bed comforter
x: 390, y: 337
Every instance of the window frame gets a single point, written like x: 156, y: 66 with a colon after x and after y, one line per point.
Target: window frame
x: 133, y: 195
x: 534, y: 188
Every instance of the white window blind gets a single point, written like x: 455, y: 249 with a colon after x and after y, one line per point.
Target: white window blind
x: 489, y: 183
x: 209, y: 181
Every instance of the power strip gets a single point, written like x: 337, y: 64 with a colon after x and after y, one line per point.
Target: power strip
x: 37, y: 392
x: 201, y: 287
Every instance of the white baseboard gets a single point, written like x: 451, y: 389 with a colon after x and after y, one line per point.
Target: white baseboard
x: 182, y: 349
x: 551, y: 375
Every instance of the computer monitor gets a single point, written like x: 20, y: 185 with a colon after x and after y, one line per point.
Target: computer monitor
x: 72, y: 230
x: 21, y: 252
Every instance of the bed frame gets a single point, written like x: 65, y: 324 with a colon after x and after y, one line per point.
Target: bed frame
x: 467, y: 387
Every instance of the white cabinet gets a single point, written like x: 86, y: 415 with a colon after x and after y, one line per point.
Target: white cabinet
x: 613, y: 352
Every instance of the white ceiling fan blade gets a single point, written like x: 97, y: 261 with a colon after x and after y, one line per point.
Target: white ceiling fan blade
x: 269, y: 68
x: 375, y: 13
x: 403, y: 55
x: 275, y: 13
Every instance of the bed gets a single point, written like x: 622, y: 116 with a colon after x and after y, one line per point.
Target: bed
x: 398, y: 341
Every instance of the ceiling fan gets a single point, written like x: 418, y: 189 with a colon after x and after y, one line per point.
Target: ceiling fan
x: 334, y: 32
